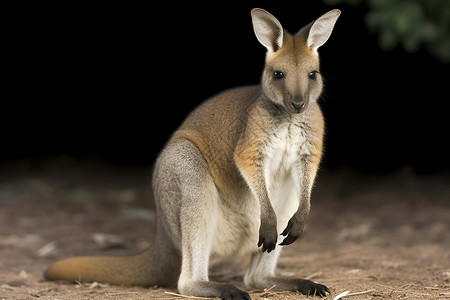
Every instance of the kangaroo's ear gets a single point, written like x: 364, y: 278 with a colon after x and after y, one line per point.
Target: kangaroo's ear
x: 321, y: 29
x: 268, y: 30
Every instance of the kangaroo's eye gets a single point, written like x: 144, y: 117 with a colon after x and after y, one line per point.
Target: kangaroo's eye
x: 313, y: 75
x: 278, y: 74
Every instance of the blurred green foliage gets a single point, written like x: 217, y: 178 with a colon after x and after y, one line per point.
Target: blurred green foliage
x: 410, y: 23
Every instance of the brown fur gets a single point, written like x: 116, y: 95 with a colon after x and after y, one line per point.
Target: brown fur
x: 237, y: 173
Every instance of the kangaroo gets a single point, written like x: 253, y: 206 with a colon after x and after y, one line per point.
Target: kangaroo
x: 238, y: 172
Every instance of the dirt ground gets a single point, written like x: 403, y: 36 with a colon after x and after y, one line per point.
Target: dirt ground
x: 377, y: 236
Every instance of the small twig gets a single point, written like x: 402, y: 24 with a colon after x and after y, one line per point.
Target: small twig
x: 347, y: 293
x: 436, y: 288
x: 405, y: 286
x: 343, y: 279
x: 386, y: 286
x: 120, y: 293
x: 361, y: 293
x: 341, y: 295
x: 34, y: 294
x: 267, y: 290
x: 184, y: 296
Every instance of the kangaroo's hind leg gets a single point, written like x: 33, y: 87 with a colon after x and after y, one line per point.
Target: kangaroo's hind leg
x: 198, y: 208
x: 261, y: 275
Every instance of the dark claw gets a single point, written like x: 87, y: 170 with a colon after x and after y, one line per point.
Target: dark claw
x: 230, y: 292
x: 288, y: 228
x: 293, y: 231
x: 266, y: 246
x: 289, y: 240
x: 267, y: 237
x: 310, y: 288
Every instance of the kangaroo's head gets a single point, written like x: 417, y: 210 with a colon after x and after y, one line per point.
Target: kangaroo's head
x: 291, y: 76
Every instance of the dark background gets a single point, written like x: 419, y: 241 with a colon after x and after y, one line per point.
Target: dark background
x: 114, y: 81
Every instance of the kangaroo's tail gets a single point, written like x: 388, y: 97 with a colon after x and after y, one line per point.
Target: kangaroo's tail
x: 156, y: 266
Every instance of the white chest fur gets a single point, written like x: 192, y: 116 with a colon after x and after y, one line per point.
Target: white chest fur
x: 283, y: 150
x: 282, y: 169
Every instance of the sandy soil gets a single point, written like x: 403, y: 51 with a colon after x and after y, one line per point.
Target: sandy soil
x: 377, y: 236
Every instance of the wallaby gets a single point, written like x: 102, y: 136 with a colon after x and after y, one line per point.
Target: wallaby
x: 237, y: 173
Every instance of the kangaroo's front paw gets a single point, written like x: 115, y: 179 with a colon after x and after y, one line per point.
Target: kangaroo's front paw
x: 293, y: 231
x: 267, y: 237
x: 310, y: 288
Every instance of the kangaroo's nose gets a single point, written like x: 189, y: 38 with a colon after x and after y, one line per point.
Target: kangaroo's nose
x: 298, y: 105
